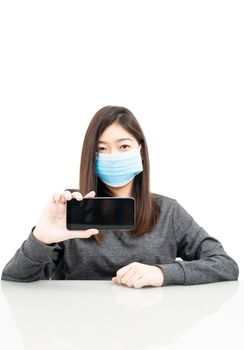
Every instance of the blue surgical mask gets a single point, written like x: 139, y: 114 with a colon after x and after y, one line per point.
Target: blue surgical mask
x: 118, y: 169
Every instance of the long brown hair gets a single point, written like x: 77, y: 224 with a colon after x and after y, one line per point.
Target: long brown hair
x: 147, y: 210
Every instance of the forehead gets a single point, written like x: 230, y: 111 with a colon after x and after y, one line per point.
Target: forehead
x: 115, y: 132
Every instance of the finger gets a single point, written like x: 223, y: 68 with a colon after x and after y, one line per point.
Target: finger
x: 56, y: 196
x: 114, y: 280
x: 137, y: 275
x: 91, y: 231
x: 123, y: 269
x: 128, y: 276
x: 77, y: 195
x: 67, y: 195
x: 83, y: 234
x: 140, y: 283
x: 62, y: 199
x: 121, y: 272
x: 91, y: 194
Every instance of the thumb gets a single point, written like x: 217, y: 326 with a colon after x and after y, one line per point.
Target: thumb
x: 91, y: 232
x: 83, y: 234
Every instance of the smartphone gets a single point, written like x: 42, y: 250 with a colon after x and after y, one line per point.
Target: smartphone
x: 104, y: 213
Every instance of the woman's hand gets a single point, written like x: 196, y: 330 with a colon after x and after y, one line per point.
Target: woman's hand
x: 51, y: 227
x: 138, y: 275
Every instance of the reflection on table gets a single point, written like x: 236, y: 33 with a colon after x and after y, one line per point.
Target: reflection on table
x: 101, y: 315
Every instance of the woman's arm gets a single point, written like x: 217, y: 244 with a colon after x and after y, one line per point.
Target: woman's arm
x: 33, y: 261
x: 204, y: 259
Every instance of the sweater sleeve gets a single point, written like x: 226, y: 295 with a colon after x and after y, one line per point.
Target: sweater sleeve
x: 204, y: 259
x: 33, y: 261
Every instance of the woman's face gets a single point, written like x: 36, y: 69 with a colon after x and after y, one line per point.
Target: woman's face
x: 116, y: 139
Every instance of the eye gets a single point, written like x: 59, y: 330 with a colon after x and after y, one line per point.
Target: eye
x: 123, y: 147
x: 101, y: 149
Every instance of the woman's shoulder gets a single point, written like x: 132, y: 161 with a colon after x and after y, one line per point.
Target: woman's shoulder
x: 163, y: 200
x: 162, y: 197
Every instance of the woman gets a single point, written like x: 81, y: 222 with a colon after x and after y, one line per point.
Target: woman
x: 114, y: 162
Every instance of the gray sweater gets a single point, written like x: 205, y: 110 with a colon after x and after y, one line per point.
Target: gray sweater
x: 203, y: 259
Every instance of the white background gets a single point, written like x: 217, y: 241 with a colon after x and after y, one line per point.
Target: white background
x: 177, y: 65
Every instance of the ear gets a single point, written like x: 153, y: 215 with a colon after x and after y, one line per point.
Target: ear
x: 142, y: 151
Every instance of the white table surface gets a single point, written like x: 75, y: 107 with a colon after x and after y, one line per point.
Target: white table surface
x: 100, y: 315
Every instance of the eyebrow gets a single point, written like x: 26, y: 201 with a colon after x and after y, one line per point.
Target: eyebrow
x: 119, y: 140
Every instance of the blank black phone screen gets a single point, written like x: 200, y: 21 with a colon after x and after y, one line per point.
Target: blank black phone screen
x: 101, y: 213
